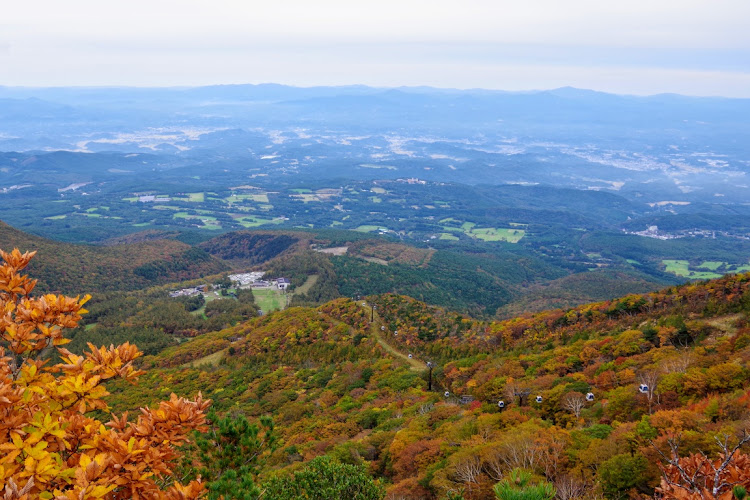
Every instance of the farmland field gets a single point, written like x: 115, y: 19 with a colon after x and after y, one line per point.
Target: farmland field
x: 682, y: 268
x: 497, y: 234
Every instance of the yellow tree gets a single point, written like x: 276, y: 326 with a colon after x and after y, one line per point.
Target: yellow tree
x: 51, y: 446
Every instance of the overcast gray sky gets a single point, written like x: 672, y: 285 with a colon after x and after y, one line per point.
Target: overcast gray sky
x: 635, y: 46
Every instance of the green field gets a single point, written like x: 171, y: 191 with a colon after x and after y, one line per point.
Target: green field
x: 682, y: 268
x: 367, y: 228
x: 269, y: 299
x: 448, y: 236
x: 252, y: 221
x: 260, y: 198
x: 56, y: 217
x: 197, y: 197
x: 307, y: 285
x: 497, y: 234
x: 711, y: 265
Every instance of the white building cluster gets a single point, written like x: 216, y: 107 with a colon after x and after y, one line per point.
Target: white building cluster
x: 245, y: 279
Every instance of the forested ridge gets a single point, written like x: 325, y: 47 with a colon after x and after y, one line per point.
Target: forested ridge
x: 75, y: 268
x: 330, y: 389
x: 643, y: 396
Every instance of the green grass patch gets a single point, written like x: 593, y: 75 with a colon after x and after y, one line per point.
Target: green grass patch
x: 367, y: 228
x: 498, y: 234
x: 269, y: 299
x: 306, y: 198
x: 376, y: 199
x: 308, y: 284
x: 212, y: 360
x: 378, y: 190
x: 251, y: 221
x: 682, y: 268
x: 130, y: 198
x: 260, y: 198
x: 711, y: 265
x: 56, y: 217
x: 448, y: 236
x: 197, y: 197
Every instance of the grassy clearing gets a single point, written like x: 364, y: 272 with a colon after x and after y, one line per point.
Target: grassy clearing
x: 682, y: 268
x: 260, y: 198
x: 197, y: 197
x: 269, y: 299
x: 56, y: 217
x: 307, y: 285
x: 378, y: 190
x: 711, y: 265
x: 367, y: 228
x: 448, y: 236
x: 306, y: 198
x: 498, y: 234
x: 376, y: 199
x: 251, y: 221
x: 212, y: 359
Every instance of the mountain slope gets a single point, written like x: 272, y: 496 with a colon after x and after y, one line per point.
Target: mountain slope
x: 86, y: 269
x: 333, y: 388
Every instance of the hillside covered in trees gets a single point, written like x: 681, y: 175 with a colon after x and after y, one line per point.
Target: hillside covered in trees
x: 644, y: 396
x: 614, y: 399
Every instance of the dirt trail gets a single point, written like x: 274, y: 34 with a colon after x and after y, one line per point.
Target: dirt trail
x: 414, y: 364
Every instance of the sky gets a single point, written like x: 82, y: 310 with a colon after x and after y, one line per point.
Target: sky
x: 628, y: 47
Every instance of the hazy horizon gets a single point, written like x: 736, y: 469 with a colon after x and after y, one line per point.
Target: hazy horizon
x: 642, y: 48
